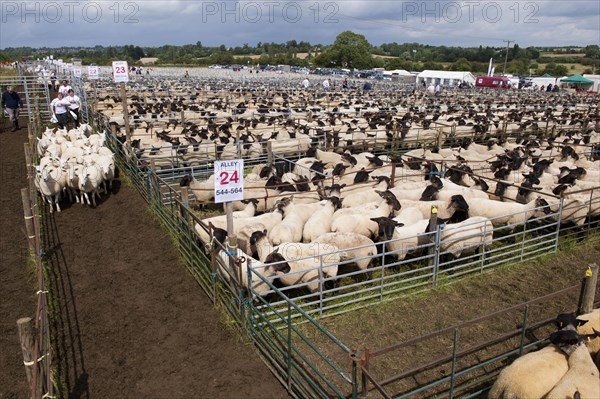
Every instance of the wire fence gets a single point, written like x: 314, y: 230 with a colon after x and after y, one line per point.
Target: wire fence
x: 472, y: 363
x: 273, y: 321
x: 38, y: 358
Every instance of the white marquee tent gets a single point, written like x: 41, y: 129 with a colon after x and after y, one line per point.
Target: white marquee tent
x: 445, y: 78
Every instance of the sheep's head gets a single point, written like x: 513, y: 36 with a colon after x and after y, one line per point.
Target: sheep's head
x: 337, y: 203
x: 386, y: 226
x: 430, y: 193
x: 566, y: 320
x: 390, y: 199
x: 339, y: 169
x: 281, y: 266
x: 257, y: 236
x: 185, y: 181
x: 568, y: 340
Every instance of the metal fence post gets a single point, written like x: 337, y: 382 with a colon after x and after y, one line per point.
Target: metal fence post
x: 289, y: 346
x: 524, y: 329
x: 454, y: 350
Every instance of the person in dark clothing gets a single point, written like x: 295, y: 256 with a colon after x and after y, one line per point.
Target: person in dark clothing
x: 12, y: 105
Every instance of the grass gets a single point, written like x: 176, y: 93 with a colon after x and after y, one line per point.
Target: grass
x: 8, y: 72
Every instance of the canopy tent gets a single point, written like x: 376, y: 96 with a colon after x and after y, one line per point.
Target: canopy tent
x: 577, y: 79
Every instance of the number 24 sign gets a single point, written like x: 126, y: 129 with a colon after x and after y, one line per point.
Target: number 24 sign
x: 229, y: 180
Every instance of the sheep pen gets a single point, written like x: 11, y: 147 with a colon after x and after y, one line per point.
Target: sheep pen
x: 373, y: 145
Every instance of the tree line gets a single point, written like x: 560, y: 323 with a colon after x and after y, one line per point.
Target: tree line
x: 350, y: 50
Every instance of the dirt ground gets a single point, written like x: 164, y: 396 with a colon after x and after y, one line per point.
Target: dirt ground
x: 17, y: 279
x: 131, y: 321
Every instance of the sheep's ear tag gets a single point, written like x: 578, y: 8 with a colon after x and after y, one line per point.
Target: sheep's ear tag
x: 588, y: 272
x: 434, y: 210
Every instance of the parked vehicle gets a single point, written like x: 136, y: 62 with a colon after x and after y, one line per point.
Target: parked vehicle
x: 496, y: 82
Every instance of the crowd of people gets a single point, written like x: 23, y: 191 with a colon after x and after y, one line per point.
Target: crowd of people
x: 65, y: 107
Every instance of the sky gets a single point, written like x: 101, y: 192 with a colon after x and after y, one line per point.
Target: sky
x: 465, y: 23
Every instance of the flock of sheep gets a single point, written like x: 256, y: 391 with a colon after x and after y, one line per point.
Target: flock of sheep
x: 183, y: 123
x: 303, y: 219
x: 301, y: 222
x: 74, y: 164
x: 567, y: 368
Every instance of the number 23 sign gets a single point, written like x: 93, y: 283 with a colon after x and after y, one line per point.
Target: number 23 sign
x: 120, y: 71
x: 229, y: 180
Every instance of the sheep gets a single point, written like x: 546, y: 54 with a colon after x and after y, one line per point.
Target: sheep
x: 402, y: 239
x: 293, y: 267
x: 289, y: 230
x: 50, y: 183
x: 320, y: 221
x: 244, y: 227
x: 245, y: 262
x: 532, y: 375
x: 508, y: 213
x: 357, y: 248
x: 582, y: 379
x: 203, y: 190
x: 587, y: 324
x: 456, y: 209
x: 362, y: 222
x: 248, y: 212
x: 89, y: 180
x: 358, y: 198
x: 467, y: 236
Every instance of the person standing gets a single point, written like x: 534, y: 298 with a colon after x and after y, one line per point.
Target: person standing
x: 305, y: 83
x: 74, y: 104
x: 64, y: 88
x: 12, y: 105
x: 437, y: 90
x: 59, y: 108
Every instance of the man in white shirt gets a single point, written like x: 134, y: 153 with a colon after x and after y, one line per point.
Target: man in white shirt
x: 326, y: 84
x: 305, y: 83
x: 74, y: 103
x: 59, y: 108
x: 64, y: 88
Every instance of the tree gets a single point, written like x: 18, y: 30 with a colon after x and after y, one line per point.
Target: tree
x: 556, y: 69
x: 461, y: 64
x: 350, y: 50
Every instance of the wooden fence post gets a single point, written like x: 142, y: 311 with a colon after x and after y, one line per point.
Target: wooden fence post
x: 589, y: 290
x: 25, y: 326
x: 28, y: 221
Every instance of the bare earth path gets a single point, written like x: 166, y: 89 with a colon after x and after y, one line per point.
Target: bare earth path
x: 132, y: 322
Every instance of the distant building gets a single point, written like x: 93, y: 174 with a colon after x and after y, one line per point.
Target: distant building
x: 445, y: 78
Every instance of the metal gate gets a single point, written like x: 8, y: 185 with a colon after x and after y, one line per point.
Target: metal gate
x: 33, y: 92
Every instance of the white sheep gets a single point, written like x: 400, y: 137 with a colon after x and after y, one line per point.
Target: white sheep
x: 362, y: 222
x: 583, y: 376
x: 532, y: 375
x: 467, y: 236
x: 508, y: 213
x: 50, y: 182
x: 305, y: 264
x: 356, y: 247
x: 89, y: 180
x: 204, y: 190
x: 593, y: 323
x: 369, y: 194
x: 320, y: 221
x: 245, y: 262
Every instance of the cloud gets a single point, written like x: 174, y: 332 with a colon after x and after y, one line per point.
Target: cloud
x: 155, y: 23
